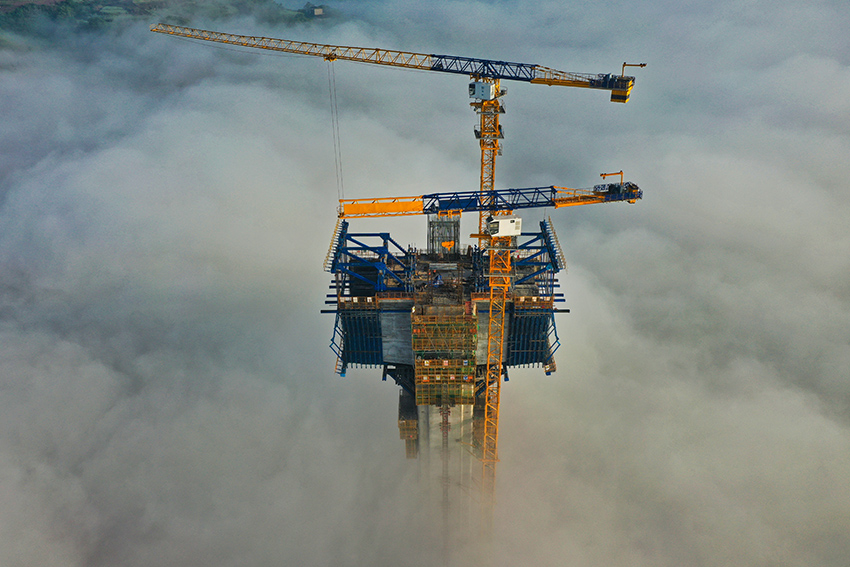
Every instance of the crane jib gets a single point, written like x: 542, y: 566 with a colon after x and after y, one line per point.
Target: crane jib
x: 492, y: 200
x: 619, y: 85
x: 483, y: 67
x: 527, y: 198
x: 497, y: 199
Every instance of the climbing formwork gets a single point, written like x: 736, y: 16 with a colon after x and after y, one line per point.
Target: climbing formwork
x: 444, y: 382
x: 423, y: 315
x: 443, y: 338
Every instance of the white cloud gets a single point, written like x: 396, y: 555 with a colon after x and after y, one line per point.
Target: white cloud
x: 167, y: 397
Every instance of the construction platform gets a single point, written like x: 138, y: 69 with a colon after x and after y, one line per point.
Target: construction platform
x: 422, y: 316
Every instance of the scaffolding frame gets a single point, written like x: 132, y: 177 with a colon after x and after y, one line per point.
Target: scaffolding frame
x: 440, y: 336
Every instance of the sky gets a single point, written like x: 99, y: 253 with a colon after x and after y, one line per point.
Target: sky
x: 167, y: 396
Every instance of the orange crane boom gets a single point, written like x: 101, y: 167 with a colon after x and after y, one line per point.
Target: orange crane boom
x: 497, y: 200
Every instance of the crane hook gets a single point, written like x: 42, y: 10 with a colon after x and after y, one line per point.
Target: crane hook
x: 623, y: 72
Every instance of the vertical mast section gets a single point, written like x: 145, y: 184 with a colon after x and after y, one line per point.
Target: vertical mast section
x: 500, y: 284
x: 489, y: 108
x: 489, y: 133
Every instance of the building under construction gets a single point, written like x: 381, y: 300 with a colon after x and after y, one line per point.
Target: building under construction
x: 422, y: 315
x: 447, y: 322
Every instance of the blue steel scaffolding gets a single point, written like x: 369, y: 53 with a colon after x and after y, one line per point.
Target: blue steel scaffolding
x: 370, y: 268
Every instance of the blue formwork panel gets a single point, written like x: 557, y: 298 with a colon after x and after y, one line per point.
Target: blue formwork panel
x: 530, y: 337
x: 360, y: 337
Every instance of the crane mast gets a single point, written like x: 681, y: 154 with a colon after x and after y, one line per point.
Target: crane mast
x: 487, y: 92
x: 390, y: 276
x: 489, y: 108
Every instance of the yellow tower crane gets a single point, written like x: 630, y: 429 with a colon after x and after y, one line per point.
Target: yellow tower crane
x: 485, y: 90
x: 503, y: 201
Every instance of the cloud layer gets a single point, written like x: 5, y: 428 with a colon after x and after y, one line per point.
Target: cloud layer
x: 167, y: 394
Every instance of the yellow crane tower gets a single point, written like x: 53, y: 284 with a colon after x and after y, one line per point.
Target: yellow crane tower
x: 491, y: 204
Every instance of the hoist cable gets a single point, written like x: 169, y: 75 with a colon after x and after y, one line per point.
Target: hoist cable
x: 340, y: 187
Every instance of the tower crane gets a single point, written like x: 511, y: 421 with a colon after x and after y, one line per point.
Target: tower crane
x: 494, y: 200
x: 485, y: 90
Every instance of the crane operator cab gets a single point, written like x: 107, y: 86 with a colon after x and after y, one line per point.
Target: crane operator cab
x: 482, y: 91
x: 504, y: 226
